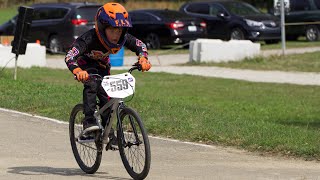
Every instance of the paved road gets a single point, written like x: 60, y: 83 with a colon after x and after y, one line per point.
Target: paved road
x: 300, y: 78
x: 37, y: 148
x: 166, y: 63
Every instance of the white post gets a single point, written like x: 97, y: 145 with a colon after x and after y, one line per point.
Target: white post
x: 283, y: 29
x: 16, y: 68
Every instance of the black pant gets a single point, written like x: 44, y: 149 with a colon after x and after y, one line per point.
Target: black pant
x: 92, y: 90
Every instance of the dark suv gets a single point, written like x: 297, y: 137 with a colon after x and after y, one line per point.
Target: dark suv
x: 302, y: 19
x: 235, y: 20
x: 57, y: 25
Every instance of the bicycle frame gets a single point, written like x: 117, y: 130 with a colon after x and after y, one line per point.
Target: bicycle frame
x: 114, y: 103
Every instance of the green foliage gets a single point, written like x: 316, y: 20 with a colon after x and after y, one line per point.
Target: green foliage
x: 276, y: 118
x: 7, y: 13
x: 300, y: 43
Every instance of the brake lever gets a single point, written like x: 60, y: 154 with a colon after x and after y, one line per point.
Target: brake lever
x: 138, y: 66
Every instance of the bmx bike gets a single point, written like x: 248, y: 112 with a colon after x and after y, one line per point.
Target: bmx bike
x: 132, y: 139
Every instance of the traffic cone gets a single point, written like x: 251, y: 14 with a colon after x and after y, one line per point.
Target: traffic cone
x: 38, y: 41
x: 5, y: 42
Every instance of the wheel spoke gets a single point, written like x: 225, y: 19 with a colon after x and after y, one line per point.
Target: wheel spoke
x: 87, y: 155
x: 134, y: 154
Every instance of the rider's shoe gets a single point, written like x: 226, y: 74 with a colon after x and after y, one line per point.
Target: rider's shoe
x: 89, y: 125
x: 113, y: 141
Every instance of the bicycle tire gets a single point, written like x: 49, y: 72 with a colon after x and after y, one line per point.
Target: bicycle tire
x: 127, y: 150
x: 80, y: 151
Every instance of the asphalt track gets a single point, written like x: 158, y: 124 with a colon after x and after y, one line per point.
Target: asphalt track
x: 38, y: 148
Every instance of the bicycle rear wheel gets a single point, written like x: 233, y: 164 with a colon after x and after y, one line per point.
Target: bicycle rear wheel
x: 88, y: 155
x: 133, y: 142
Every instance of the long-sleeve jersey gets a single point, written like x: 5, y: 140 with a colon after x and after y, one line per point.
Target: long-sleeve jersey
x: 88, y: 50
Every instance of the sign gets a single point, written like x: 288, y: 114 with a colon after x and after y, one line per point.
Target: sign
x: 119, y: 85
x: 277, y: 6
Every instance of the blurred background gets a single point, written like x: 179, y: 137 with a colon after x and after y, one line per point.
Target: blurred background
x: 135, y: 4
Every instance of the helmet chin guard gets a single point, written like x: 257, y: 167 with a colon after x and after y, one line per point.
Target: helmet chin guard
x: 115, y: 15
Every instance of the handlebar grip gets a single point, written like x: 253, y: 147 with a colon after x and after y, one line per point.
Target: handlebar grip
x: 99, y: 77
x: 90, y: 76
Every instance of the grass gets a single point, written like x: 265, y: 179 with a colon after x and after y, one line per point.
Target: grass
x: 300, y: 43
x: 308, y: 62
x: 7, y: 13
x: 269, y: 118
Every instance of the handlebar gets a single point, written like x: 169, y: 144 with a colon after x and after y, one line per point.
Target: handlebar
x: 96, y: 76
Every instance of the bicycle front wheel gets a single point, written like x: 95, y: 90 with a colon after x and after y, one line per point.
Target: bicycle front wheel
x: 87, y: 154
x: 133, y: 144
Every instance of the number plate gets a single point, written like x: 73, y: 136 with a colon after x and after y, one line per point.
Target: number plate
x: 119, y: 86
x: 192, y: 28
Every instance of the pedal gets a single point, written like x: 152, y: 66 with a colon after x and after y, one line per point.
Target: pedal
x: 111, y: 147
x: 114, y: 148
x: 85, y: 139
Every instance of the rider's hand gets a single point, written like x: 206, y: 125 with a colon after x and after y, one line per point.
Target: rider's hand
x: 144, y: 63
x: 82, y: 75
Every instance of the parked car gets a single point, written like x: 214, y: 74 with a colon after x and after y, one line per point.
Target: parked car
x: 302, y: 19
x: 57, y: 25
x: 158, y: 27
x: 235, y: 20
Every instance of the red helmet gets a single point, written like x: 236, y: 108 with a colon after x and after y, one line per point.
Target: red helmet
x: 115, y: 15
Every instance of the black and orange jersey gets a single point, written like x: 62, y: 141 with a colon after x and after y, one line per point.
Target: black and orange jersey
x: 87, y: 50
